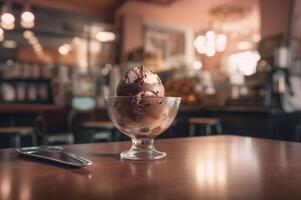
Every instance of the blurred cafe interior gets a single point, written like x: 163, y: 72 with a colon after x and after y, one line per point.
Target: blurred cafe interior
x: 235, y: 63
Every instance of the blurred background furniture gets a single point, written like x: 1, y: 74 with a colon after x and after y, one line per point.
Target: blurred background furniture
x: 53, y: 126
x: 101, y: 130
x: 93, y: 125
x: 17, y: 133
x: 209, y: 125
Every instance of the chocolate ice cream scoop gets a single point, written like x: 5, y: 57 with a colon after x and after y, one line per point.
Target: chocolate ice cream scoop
x: 140, y: 81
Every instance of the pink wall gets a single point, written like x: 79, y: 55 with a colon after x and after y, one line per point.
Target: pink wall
x: 274, y: 17
x: 189, y: 13
x: 183, y: 13
x: 132, y: 36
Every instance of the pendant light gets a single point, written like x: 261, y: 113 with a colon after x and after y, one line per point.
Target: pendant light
x: 27, y: 17
x: 7, y: 17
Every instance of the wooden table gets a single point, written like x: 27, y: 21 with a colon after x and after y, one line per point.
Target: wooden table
x: 214, y: 167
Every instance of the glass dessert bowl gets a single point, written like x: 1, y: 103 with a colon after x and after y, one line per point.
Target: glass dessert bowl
x: 142, y: 119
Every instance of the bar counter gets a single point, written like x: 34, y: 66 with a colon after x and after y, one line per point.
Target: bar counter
x: 22, y: 114
x: 26, y: 108
x: 200, y: 108
x: 214, y: 167
x: 249, y: 120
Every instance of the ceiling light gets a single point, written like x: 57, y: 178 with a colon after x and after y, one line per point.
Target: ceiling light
x: 105, y: 36
x: 10, y: 44
x: 7, y: 18
x: 27, y: 16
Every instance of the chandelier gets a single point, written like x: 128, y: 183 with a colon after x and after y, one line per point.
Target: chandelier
x: 210, y: 43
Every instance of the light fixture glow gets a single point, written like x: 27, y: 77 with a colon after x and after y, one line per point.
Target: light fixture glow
x: 33, y: 40
x: 202, y: 49
x: 199, y: 41
x: 76, y: 40
x: 221, y: 41
x: 7, y: 18
x: 245, y: 45
x: 1, y: 32
x: 10, y: 44
x: 28, y: 25
x: 28, y: 34
x: 210, y: 43
x: 27, y: 16
x: 210, y: 52
x: 27, y: 19
x: 37, y: 48
x: 210, y: 34
x: 7, y: 26
x: 197, y: 65
x: 245, y: 62
x: 64, y: 49
x: 105, y: 36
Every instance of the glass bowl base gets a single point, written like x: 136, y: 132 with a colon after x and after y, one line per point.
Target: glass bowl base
x: 140, y: 155
x: 142, y: 149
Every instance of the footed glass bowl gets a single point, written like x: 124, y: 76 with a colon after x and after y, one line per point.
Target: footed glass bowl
x: 142, y: 119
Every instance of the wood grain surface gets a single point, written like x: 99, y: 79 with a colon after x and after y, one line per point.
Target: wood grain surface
x: 214, y: 167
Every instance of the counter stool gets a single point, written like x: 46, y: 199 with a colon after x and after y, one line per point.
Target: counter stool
x: 207, y: 123
x: 17, y: 133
